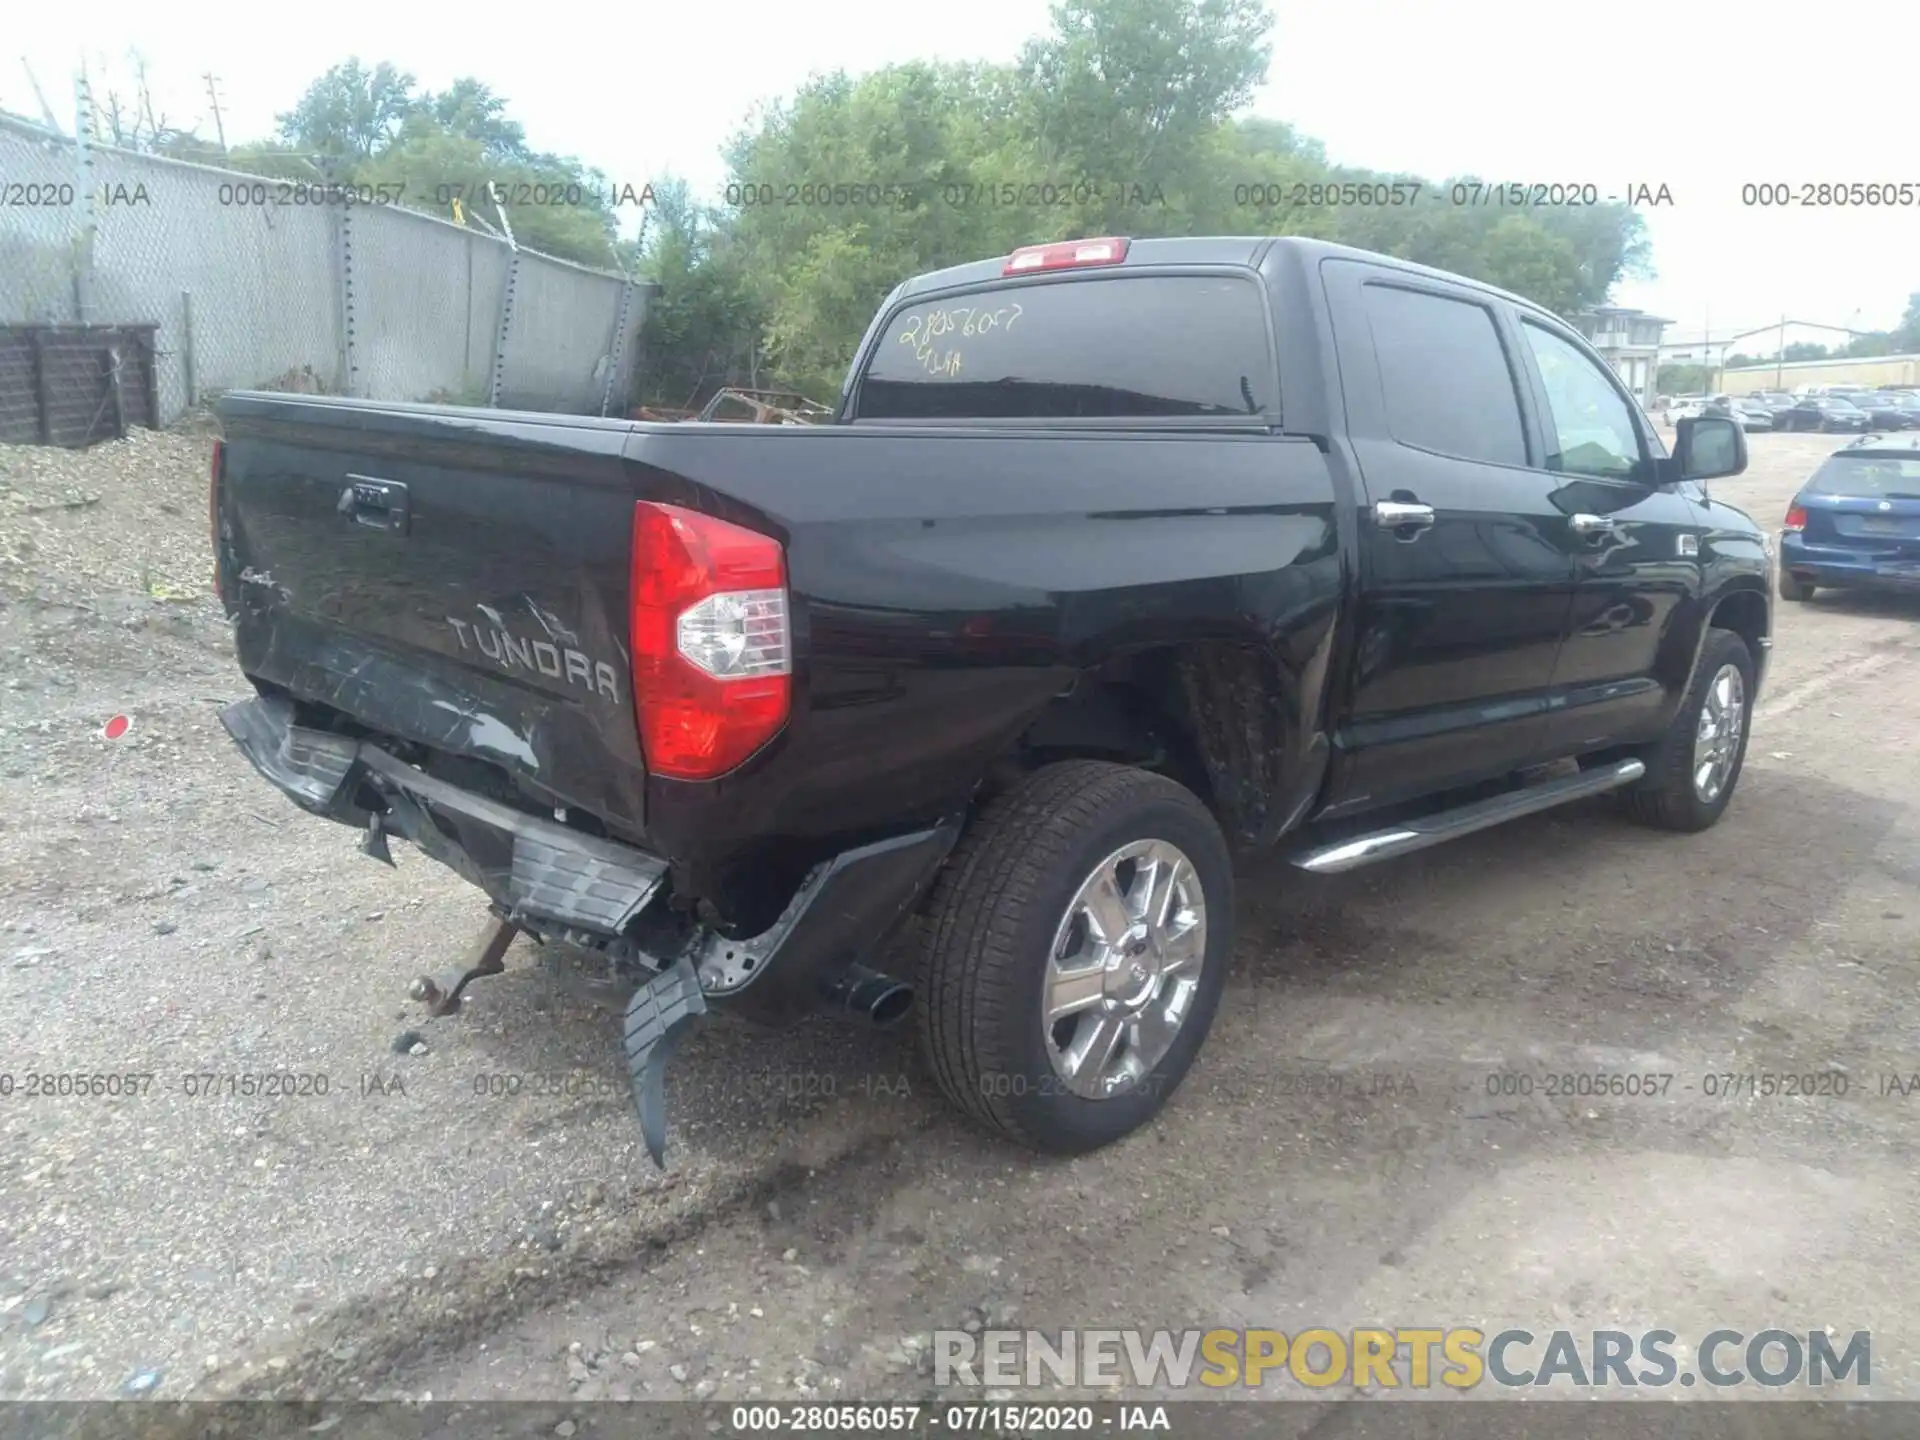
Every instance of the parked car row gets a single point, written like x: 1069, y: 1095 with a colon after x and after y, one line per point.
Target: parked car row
x: 1861, y: 411
x: 1750, y: 411
x: 1828, y: 411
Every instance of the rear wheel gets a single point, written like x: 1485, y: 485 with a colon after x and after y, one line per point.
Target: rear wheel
x: 1691, y: 775
x: 1076, y: 953
x: 1792, y: 589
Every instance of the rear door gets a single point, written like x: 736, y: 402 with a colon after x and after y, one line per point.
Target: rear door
x: 1635, y: 546
x: 1465, y: 572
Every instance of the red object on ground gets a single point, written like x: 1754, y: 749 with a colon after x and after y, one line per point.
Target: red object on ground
x: 116, y: 727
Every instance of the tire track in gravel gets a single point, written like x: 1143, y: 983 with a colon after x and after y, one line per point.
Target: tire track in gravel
x: 359, y: 1343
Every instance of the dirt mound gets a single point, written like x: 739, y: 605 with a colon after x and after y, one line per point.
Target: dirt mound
x: 127, y: 515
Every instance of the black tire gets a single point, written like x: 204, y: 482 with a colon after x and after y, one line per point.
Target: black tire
x: 994, y: 912
x: 1666, y: 797
x: 1792, y: 589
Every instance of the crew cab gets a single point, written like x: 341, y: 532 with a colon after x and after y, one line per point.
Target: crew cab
x: 1117, y: 562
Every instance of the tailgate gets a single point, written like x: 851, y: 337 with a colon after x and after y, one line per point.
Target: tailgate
x: 455, y: 578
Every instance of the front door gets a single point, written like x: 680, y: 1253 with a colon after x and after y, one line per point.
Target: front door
x: 1635, y: 548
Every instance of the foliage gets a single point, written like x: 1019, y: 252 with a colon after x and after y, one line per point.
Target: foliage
x: 704, y: 321
x: 350, y: 112
x: 1683, y: 379
x: 376, y: 127
x: 1906, y: 335
x: 1121, y: 120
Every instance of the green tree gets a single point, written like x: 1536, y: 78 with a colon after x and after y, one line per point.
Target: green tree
x: 1520, y: 254
x: 1871, y: 345
x: 350, y: 111
x: 1683, y: 379
x: 472, y: 111
x: 703, y: 325
x: 1906, y: 334
x: 852, y: 185
x: 374, y: 127
x: 1124, y: 114
x: 1128, y: 95
x: 565, y: 206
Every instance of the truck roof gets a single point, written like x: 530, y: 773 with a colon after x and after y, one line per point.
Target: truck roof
x: 1249, y: 250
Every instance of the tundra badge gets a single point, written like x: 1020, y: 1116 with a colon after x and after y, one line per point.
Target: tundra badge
x: 556, y: 662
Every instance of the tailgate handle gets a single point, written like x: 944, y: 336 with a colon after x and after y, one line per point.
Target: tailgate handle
x: 381, y: 504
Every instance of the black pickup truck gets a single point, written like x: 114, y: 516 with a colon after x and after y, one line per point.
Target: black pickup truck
x: 1118, y: 561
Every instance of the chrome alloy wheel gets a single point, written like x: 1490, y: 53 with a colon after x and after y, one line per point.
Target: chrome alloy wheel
x: 1716, y: 744
x: 1124, y: 968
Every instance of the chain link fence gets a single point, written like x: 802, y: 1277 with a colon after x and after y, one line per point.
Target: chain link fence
x: 252, y: 287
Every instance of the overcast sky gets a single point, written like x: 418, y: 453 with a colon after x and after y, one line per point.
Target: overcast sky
x: 1697, y: 97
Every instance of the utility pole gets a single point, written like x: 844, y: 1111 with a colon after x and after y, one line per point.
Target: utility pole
x: 46, y: 110
x: 213, y: 98
x: 1780, y: 357
x: 1706, y: 350
x: 83, y: 140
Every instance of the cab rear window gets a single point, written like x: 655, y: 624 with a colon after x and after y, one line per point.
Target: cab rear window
x: 1107, y: 347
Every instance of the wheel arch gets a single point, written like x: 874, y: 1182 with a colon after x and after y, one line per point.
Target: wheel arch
x: 1223, y: 717
x: 1746, y: 610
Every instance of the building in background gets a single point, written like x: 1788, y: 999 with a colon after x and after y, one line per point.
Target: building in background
x: 1715, y: 347
x: 1629, y: 341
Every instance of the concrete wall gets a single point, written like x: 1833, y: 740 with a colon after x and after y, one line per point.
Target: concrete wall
x: 1887, y: 371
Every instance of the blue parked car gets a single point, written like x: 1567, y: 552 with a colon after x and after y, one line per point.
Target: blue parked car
x: 1856, y: 522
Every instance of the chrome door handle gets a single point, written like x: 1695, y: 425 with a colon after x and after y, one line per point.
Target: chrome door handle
x: 1396, y: 515
x: 1590, y: 525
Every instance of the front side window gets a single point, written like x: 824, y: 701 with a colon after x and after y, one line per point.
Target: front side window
x: 1592, y: 427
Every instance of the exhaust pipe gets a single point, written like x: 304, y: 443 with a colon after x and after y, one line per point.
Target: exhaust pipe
x: 879, y: 999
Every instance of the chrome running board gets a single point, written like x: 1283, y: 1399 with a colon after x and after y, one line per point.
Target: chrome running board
x: 1418, y: 834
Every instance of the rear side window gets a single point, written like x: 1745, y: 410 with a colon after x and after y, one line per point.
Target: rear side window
x: 1880, y: 477
x: 1444, y: 376
x: 1113, y: 347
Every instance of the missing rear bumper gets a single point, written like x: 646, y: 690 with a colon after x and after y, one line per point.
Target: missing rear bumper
x: 534, y: 869
x: 559, y: 883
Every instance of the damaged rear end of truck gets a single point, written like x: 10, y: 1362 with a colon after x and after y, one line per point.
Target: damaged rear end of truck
x: 471, y: 632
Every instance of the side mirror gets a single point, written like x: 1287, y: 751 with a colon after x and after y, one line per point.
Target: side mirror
x: 1707, y: 447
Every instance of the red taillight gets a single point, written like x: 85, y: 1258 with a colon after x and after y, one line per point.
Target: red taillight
x: 712, y: 651
x: 1066, y: 255
x: 1796, y: 519
x: 213, y: 511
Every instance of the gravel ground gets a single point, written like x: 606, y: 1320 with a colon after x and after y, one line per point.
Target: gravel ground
x: 166, y: 919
